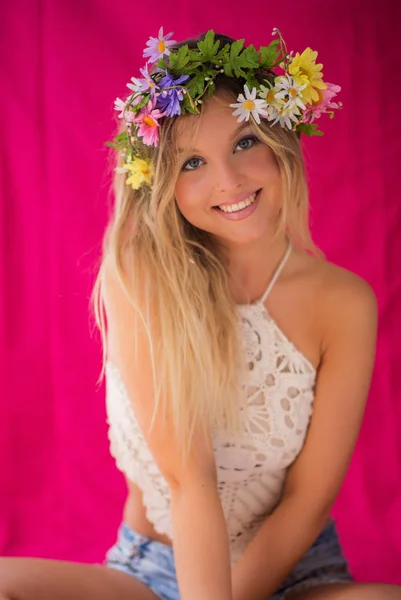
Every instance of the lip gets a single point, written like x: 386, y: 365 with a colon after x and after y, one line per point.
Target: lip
x: 242, y: 214
x: 237, y: 199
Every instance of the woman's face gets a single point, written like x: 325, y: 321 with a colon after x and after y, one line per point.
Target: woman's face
x: 229, y: 183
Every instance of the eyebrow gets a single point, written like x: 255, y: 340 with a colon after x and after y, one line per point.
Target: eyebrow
x: 242, y: 126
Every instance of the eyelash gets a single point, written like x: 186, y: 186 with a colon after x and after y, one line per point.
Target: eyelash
x: 248, y: 137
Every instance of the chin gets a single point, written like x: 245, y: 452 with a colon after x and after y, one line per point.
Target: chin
x: 244, y: 238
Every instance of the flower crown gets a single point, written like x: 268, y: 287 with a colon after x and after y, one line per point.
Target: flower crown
x: 293, y: 97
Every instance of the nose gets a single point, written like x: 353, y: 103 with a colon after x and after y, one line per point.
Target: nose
x: 228, y: 177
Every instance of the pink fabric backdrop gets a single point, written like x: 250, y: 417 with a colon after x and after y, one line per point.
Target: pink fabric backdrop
x: 62, y: 65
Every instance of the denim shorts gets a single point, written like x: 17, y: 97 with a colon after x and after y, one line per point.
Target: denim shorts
x: 152, y: 563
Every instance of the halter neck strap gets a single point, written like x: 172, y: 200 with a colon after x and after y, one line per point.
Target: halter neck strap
x: 277, y: 272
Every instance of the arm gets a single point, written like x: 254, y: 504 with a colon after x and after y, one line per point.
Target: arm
x: 314, y: 479
x: 201, y: 546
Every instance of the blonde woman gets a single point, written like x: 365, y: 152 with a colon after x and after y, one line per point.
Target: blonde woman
x: 237, y: 359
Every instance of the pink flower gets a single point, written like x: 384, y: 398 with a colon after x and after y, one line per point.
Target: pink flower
x: 119, y: 105
x: 136, y: 100
x: 129, y: 116
x: 123, y: 106
x: 148, y: 124
x: 324, y: 104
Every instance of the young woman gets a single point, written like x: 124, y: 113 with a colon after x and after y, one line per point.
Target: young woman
x: 237, y: 359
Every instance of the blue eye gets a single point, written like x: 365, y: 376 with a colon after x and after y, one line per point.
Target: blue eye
x: 191, y: 164
x: 246, y: 142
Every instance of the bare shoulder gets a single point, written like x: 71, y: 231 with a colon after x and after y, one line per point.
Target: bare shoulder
x: 131, y: 343
x: 346, y: 309
x: 123, y: 322
x: 346, y: 302
x: 344, y: 289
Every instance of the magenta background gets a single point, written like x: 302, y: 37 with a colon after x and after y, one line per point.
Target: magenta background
x: 62, y: 65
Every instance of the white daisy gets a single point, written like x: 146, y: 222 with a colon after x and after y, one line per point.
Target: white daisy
x: 137, y: 85
x: 284, y: 116
x: 289, y: 91
x: 268, y: 93
x: 249, y: 105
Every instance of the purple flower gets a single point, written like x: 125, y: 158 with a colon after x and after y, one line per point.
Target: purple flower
x: 169, y: 99
x: 158, y: 47
x: 168, y: 80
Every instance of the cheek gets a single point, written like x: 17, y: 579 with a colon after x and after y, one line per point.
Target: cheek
x: 190, y: 193
x: 263, y: 164
x: 183, y: 196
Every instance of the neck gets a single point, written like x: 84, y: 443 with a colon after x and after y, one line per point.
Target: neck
x: 251, y: 268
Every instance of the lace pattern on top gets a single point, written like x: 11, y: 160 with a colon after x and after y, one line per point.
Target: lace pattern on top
x: 251, y: 467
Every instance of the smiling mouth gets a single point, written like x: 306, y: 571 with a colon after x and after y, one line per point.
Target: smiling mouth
x: 233, y: 208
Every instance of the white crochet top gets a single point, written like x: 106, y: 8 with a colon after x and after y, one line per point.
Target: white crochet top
x: 252, y: 468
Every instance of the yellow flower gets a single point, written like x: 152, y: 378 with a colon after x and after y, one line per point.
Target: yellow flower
x: 141, y: 172
x: 304, y: 69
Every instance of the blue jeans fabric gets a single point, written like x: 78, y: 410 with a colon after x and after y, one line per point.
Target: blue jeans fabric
x: 153, y: 563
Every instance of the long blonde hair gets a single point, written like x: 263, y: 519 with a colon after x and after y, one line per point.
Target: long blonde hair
x: 175, y: 276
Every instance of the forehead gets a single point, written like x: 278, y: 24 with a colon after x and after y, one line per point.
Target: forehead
x: 215, y: 124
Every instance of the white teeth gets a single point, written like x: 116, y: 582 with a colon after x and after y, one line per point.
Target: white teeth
x: 228, y: 208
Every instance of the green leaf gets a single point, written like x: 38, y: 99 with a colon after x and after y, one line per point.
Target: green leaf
x: 186, y: 106
x: 195, y: 60
x: 179, y: 59
x: 197, y: 84
x: 309, y: 129
x: 239, y: 60
x: 223, y: 54
x: 162, y: 64
x: 228, y: 70
x: 208, y: 46
x: 121, y: 137
x: 269, y: 54
x: 145, y: 100
x: 251, y: 81
x: 250, y: 57
x: 236, y: 48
